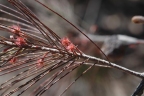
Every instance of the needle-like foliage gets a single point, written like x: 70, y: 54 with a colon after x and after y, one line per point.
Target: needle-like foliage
x: 34, y: 51
x: 37, y: 55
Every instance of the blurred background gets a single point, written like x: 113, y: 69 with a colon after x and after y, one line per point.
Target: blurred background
x: 104, y: 21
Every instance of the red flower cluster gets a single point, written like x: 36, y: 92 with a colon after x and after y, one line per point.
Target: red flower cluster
x: 15, y: 29
x: 13, y: 60
x: 65, y: 41
x: 71, y: 47
x: 68, y: 45
x: 19, y: 38
x: 20, y: 41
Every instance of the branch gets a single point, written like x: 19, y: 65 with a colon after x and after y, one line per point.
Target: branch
x: 101, y: 61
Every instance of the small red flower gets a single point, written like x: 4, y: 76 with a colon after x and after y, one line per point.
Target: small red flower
x: 40, y: 63
x: 65, y: 41
x: 15, y: 29
x: 71, y: 47
x: 13, y: 60
x: 20, y: 41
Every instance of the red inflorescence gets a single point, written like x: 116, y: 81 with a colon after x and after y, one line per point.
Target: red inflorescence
x: 40, y: 63
x: 71, y: 47
x: 68, y: 45
x: 65, y: 41
x: 15, y: 29
x: 13, y: 60
x: 20, y: 41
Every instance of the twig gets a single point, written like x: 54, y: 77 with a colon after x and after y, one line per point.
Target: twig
x: 139, y: 89
x: 101, y: 61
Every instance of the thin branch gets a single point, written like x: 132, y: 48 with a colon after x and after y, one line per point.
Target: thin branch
x: 101, y: 61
